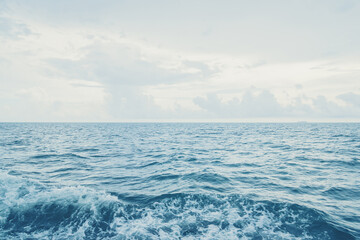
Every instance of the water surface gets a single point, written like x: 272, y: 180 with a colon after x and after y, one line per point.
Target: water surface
x: 179, y: 181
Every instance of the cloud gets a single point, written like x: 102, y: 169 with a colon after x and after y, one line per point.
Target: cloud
x: 251, y: 105
x: 270, y: 30
x: 10, y: 29
x: 263, y: 104
x: 124, y: 70
x: 142, y: 60
x: 351, y: 98
x: 118, y: 64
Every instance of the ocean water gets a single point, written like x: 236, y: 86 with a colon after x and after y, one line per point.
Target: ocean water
x: 179, y: 181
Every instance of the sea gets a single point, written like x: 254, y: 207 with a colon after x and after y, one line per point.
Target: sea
x: 180, y: 181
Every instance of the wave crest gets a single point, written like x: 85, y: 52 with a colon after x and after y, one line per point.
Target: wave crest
x: 32, y: 210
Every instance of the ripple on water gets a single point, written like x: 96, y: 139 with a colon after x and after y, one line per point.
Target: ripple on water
x: 179, y: 181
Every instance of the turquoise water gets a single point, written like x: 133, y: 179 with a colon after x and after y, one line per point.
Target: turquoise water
x: 179, y: 181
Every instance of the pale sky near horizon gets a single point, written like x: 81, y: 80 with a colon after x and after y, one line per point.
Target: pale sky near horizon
x: 180, y: 60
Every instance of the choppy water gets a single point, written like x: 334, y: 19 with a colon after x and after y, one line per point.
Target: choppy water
x: 179, y: 181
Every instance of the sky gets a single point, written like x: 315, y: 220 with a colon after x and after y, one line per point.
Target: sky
x: 203, y: 60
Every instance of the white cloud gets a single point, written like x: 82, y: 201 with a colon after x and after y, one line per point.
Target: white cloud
x: 351, y: 98
x: 89, y: 61
x: 259, y: 104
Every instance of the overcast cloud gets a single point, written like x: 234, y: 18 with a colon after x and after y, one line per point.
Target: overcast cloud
x: 180, y: 60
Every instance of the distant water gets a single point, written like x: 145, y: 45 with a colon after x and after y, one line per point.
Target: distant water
x: 179, y: 181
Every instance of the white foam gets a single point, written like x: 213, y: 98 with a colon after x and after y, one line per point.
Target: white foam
x: 180, y: 216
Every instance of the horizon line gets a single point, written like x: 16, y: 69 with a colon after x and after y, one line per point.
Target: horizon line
x: 189, y: 121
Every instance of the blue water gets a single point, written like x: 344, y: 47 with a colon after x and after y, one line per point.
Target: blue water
x: 179, y: 181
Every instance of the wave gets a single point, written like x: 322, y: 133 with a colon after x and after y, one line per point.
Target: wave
x: 18, y: 142
x: 65, y: 155
x: 29, y: 209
